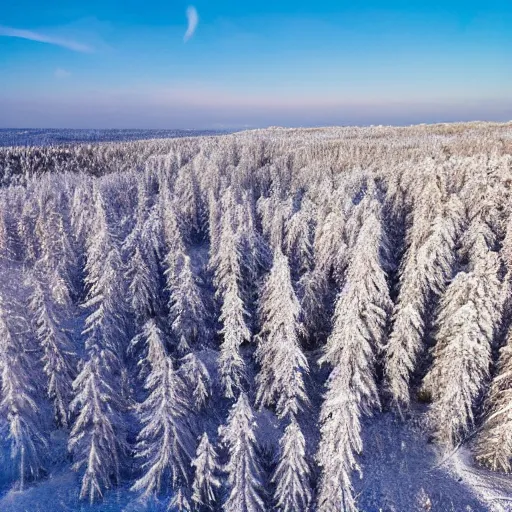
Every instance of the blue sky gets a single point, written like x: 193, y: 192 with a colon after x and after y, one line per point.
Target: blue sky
x: 248, y: 63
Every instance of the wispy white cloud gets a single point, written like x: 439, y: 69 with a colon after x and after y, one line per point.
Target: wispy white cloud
x: 43, y: 38
x: 62, y: 73
x: 193, y: 20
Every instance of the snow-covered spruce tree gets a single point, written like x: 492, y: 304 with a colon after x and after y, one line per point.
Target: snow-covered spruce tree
x: 214, y: 220
x: 331, y: 257
x: 292, y: 475
x: 58, y: 256
x: 493, y: 447
x: 20, y: 410
x: 82, y: 211
x: 363, y: 304
x: 171, y: 230
x: 356, y: 339
x: 233, y: 316
x: 142, y: 287
x: 164, y: 443
x: 313, y: 291
x: 26, y: 223
x: 179, y: 501
x: 206, y: 479
x: 106, y: 291
x: 59, y: 353
x: 425, y: 270
x: 365, y: 198
x: 97, y: 439
x: 106, y: 302
x: 330, y: 246
x: 234, y: 333
x: 5, y: 235
x: 476, y: 240
x: 298, y: 242
x: 144, y: 245
x: 187, y: 311
x: 186, y: 306
x: 253, y: 247
x: 485, y: 197
x: 197, y: 380
x: 189, y: 207
x: 506, y: 249
x: 470, y: 313
x: 283, y: 365
x: 243, y: 469
x: 274, y: 214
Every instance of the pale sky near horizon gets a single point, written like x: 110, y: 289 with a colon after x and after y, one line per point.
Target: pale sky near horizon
x: 133, y: 64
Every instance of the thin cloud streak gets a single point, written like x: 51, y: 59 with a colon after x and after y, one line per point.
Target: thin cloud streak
x: 193, y: 20
x: 62, y: 73
x: 42, y: 38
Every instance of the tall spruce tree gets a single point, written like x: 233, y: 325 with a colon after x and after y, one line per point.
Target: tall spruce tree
x: 353, y: 346
x: 206, y: 478
x: 283, y: 365
x: 243, y: 468
x: 164, y: 444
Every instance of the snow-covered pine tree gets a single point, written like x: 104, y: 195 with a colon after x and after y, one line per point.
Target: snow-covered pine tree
x: 97, y: 439
x: 425, y: 270
x: 233, y: 316
x: 142, y: 287
x: 106, y: 303
x: 59, y: 353
x: 171, y: 231
x: 206, y: 479
x: 26, y: 227
x: 179, y: 501
x: 283, y: 365
x: 6, y: 249
x: 298, y: 242
x: 313, y: 291
x: 469, y: 316
x: 274, y: 214
x: 292, y: 476
x: 364, y: 196
x: 330, y: 246
x: 365, y: 290
x: 58, y: 256
x: 197, y: 380
x: 164, y: 444
x: 187, y: 311
x: 254, y: 250
x: 485, y: 198
x: 331, y: 257
x: 493, y: 447
x: 214, y: 220
x: 243, y: 469
x: 356, y: 339
x: 228, y: 258
x: 105, y: 280
x: 20, y: 407
x: 189, y: 207
x: 234, y: 333
x: 82, y: 212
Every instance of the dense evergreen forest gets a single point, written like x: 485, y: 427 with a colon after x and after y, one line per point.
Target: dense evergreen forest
x: 215, y: 323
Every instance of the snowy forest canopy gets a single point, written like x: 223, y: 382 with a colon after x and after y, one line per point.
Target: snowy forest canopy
x: 215, y: 321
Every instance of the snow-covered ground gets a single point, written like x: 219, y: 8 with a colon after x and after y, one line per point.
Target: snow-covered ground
x: 402, y: 472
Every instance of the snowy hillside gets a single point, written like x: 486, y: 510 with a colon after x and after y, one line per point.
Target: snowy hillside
x: 292, y: 320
